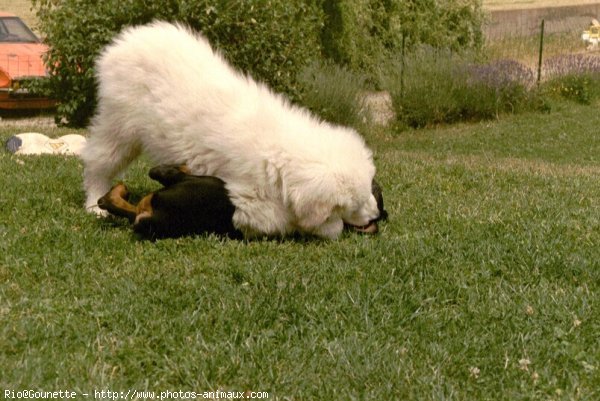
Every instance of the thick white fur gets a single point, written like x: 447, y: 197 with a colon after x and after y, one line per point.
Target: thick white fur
x: 164, y: 91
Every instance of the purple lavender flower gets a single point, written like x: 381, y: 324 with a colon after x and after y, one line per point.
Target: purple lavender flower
x: 501, y: 74
x: 571, y: 64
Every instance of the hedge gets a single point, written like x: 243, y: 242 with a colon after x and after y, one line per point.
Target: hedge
x: 272, y: 40
x: 267, y: 38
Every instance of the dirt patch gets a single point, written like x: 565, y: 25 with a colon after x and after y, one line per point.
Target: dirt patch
x: 27, y: 122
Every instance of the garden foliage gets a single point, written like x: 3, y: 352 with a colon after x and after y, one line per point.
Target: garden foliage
x: 324, y: 54
x: 575, y: 77
x: 334, y: 93
x: 267, y: 38
x: 458, y: 88
x: 364, y: 33
x: 273, y: 40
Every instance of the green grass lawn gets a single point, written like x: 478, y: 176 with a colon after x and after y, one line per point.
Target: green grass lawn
x: 483, y: 284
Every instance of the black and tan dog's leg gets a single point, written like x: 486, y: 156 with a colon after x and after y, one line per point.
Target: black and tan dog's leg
x: 116, y: 202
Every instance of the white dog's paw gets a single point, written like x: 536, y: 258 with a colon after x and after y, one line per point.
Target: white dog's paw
x: 331, y: 229
x: 94, y: 209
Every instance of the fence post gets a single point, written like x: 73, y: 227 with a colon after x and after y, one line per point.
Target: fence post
x: 539, y: 75
x: 402, y: 54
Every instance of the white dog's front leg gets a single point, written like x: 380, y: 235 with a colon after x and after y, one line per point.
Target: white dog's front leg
x: 331, y: 229
x: 95, y: 188
x: 103, y: 158
x: 257, y: 219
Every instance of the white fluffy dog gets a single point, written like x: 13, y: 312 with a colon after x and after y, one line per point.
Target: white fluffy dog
x: 163, y: 90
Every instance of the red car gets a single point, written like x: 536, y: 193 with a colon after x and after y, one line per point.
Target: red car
x: 20, y: 58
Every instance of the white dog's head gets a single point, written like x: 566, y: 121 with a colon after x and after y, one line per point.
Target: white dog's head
x: 329, y: 181
x: 361, y: 214
x: 328, y: 201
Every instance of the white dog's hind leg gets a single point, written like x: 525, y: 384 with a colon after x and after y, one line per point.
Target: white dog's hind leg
x: 103, y: 160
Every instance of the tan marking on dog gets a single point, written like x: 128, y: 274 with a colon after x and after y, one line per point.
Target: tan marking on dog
x: 185, y: 169
x: 117, y: 198
x: 144, y: 208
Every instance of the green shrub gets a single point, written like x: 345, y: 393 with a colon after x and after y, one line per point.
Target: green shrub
x: 270, y: 39
x: 356, y: 35
x: 435, y: 86
x: 582, y: 88
x: 334, y: 93
x: 425, y: 87
x: 362, y: 34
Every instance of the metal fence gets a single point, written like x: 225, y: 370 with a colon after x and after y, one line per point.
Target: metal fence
x: 526, y: 22
x: 543, y: 37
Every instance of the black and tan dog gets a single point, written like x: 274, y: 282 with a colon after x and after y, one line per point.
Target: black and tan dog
x: 188, y: 205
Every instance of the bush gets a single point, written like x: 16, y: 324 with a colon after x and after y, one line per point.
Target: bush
x: 445, y: 87
x: 362, y: 34
x: 270, y: 39
x: 580, y: 88
x: 571, y: 64
x: 334, y: 93
x: 509, y: 84
x: 574, y: 77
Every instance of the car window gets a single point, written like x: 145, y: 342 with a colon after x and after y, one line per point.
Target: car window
x: 13, y: 30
